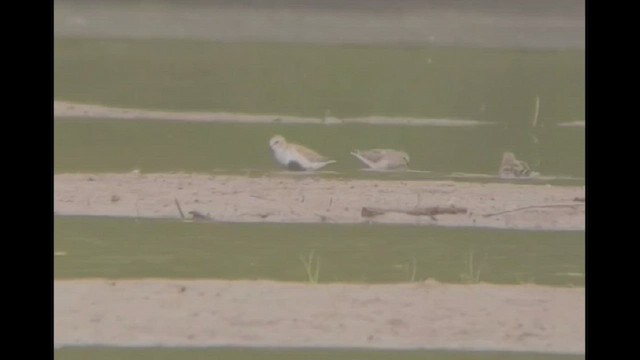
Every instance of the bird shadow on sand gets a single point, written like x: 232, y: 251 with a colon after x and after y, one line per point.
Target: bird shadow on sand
x: 535, y: 178
x: 304, y: 173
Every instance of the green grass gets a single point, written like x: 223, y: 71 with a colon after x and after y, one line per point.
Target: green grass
x: 472, y: 273
x: 128, y: 248
x: 496, y: 85
x: 297, y: 79
x: 312, y: 267
x: 153, y: 146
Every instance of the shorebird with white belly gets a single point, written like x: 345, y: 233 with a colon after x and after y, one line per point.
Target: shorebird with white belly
x: 383, y: 159
x: 296, y: 157
x: 510, y: 167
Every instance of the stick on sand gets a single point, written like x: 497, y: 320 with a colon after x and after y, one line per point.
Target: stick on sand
x: 179, y: 208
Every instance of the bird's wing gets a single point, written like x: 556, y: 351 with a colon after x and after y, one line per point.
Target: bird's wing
x: 522, y: 167
x: 308, y: 153
x: 373, y: 155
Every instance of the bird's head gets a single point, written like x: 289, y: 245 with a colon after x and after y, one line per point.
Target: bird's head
x: 508, y: 158
x: 277, y: 142
x: 405, y: 157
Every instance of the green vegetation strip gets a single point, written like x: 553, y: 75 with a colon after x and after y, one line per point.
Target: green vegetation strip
x: 307, y: 80
x: 83, y: 145
x: 88, y: 247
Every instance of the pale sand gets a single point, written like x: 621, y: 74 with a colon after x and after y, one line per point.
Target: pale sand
x: 64, y: 109
x: 429, y: 315
x: 311, y: 199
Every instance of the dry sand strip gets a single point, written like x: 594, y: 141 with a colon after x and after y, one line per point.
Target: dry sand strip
x: 66, y: 109
x: 309, y: 199
x: 429, y: 315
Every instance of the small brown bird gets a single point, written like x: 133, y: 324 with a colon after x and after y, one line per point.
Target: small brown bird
x: 510, y: 167
x: 296, y: 157
x: 383, y: 159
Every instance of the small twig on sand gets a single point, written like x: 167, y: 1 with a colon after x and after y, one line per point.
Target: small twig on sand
x: 581, y: 199
x: 418, y: 211
x: 323, y: 218
x: 261, y: 215
x: 179, y: 208
x: 196, y: 215
x: 533, y: 207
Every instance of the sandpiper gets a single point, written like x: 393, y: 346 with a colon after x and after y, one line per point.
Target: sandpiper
x: 510, y: 167
x: 383, y: 159
x: 296, y: 157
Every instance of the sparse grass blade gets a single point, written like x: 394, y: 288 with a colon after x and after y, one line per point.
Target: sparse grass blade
x: 472, y: 275
x: 312, y: 269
